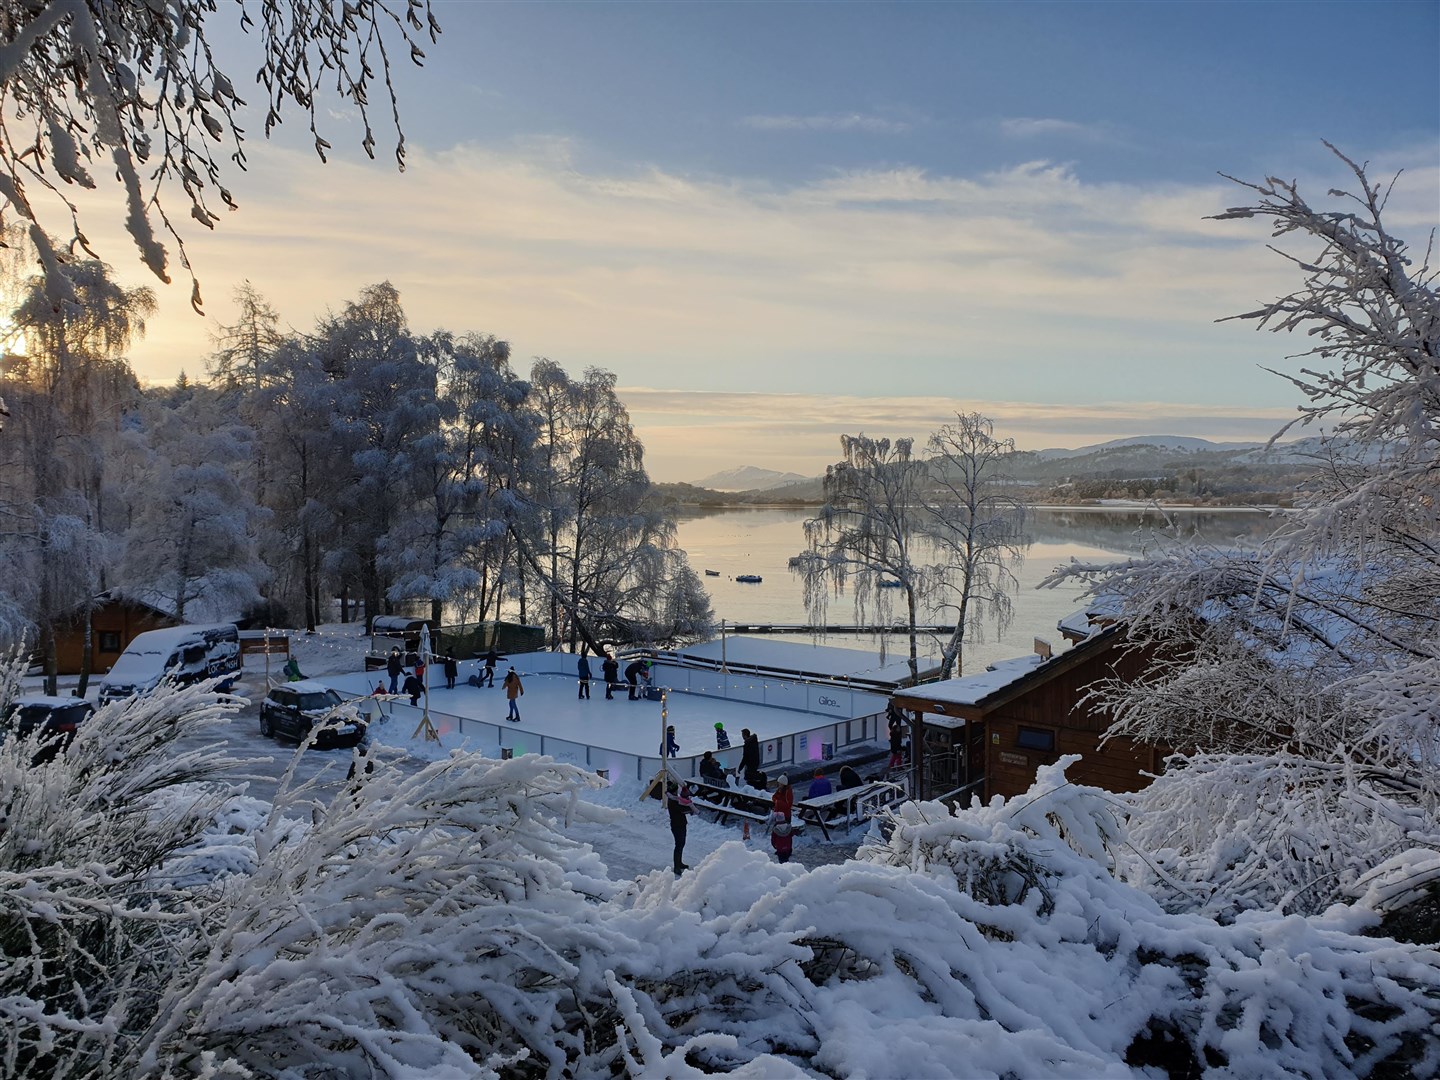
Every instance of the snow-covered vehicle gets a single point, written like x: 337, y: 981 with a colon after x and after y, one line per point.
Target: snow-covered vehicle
x: 56, y: 718
x: 187, y: 654
x: 292, y: 711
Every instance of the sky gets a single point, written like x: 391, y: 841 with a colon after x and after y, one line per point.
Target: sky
x: 781, y: 222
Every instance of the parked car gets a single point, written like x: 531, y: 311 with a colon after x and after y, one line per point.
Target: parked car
x: 187, y: 654
x: 56, y: 718
x: 292, y: 710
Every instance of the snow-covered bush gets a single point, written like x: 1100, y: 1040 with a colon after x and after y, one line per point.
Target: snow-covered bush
x: 995, y: 941
x: 91, y: 930
x: 436, y: 921
x: 1312, y: 660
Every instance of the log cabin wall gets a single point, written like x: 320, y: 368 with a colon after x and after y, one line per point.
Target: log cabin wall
x: 1051, y: 718
x: 114, y: 625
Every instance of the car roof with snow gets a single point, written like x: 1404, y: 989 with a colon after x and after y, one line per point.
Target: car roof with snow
x: 47, y: 699
x: 304, y: 686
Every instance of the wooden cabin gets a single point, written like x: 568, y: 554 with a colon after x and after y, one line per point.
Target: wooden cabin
x: 113, y: 625
x: 986, y: 734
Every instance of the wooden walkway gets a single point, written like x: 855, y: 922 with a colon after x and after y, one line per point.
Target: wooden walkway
x: 842, y: 628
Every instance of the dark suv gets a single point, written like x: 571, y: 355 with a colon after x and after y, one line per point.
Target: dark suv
x: 56, y: 718
x: 290, y: 711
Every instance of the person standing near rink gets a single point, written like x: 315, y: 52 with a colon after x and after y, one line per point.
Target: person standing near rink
x: 633, y: 673
x: 610, y: 671
x: 582, y: 668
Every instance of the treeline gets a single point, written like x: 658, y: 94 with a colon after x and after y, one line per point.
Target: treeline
x: 360, y: 460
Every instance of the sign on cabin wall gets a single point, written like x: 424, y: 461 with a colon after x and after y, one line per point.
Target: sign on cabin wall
x: 1007, y: 758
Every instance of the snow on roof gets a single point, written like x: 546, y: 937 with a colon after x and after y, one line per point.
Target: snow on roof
x: 168, y: 637
x: 798, y: 658
x: 304, y: 686
x: 972, y: 689
x: 1076, y: 624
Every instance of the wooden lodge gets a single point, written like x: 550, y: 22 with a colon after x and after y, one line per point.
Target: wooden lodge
x: 987, y: 734
x: 114, y: 622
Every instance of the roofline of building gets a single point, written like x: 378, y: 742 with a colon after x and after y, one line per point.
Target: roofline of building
x: 915, y: 699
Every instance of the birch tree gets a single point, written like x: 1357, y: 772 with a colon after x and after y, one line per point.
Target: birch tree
x: 869, y: 531
x: 976, y: 524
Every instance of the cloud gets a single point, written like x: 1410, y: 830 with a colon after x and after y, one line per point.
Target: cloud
x: 1023, y: 285
x: 1022, y: 127
x: 862, y: 122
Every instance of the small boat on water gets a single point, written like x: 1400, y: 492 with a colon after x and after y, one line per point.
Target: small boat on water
x: 712, y: 573
x: 749, y: 579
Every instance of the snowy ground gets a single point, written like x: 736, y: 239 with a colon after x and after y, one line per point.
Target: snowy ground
x: 637, y: 845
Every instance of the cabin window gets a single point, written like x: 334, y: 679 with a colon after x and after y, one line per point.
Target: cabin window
x: 1029, y: 738
x: 109, y: 641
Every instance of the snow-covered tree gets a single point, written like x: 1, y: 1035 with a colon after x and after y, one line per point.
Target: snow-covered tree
x: 976, y: 523
x: 192, y: 527
x: 870, y: 531
x: 68, y: 391
x: 452, y: 548
x: 1301, y: 676
x: 130, y: 89
x: 587, y: 526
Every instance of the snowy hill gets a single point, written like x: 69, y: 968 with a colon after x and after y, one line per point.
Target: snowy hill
x: 748, y: 478
x: 1178, y: 443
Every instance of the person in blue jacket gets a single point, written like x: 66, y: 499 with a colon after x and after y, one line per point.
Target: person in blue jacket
x: 819, y: 786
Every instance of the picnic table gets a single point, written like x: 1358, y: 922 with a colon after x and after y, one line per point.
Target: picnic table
x: 843, y: 805
x: 726, y: 802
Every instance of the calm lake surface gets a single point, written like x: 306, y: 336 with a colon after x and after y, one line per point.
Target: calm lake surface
x: 761, y: 541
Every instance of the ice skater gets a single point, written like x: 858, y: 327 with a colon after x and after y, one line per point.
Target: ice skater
x: 514, y: 691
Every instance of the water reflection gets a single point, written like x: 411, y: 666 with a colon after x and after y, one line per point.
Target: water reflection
x: 760, y: 541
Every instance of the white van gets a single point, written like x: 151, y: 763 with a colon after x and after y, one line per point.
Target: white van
x: 187, y: 654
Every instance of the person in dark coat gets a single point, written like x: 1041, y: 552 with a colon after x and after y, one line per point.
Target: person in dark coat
x: 680, y: 808
x: 452, y: 669
x: 670, y: 747
x: 711, y: 771
x: 722, y: 738
x: 414, y: 687
x: 632, y: 676
x: 610, y: 670
x: 394, y: 665
x: 897, y: 737
x: 849, y: 778
x: 750, y: 759
x: 492, y: 658
x: 582, y: 667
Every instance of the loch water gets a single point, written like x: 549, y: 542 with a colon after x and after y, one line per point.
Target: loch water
x: 761, y: 541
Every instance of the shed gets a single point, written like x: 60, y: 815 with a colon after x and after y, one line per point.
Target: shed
x: 114, y: 622
x: 986, y: 734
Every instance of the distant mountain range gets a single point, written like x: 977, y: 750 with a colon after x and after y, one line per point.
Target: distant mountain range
x: 1181, y: 443
x: 1179, y: 467
x: 748, y: 478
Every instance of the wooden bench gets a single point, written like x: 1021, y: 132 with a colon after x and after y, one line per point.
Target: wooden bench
x: 722, y: 811
x: 842, y: 806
